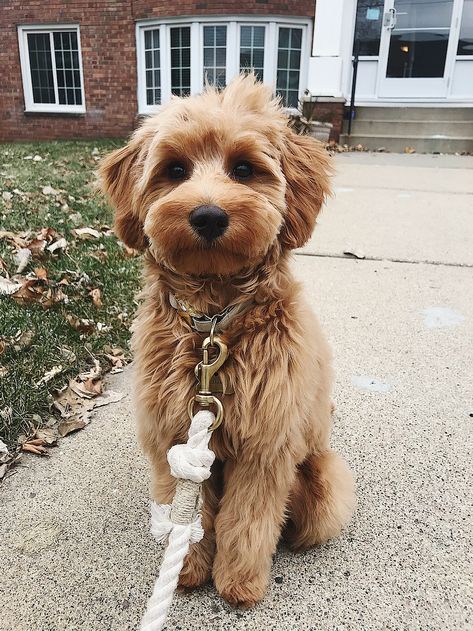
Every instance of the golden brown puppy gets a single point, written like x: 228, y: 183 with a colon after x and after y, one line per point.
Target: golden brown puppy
x: 218, y: 190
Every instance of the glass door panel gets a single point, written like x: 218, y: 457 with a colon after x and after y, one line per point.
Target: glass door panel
x: 419, y: 38
x: 416, y: 44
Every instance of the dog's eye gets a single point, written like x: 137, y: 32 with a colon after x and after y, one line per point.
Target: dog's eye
x: 242, y: 170
x: 177, y: 171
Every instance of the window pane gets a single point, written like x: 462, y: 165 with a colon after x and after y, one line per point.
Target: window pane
x: 180, y: 60
x: 417, y: 54
x: 296, y: 38
x: 152, y: 67
x: 220, y: 35
x: 220, y: 56
x: 252, y: 50
x: 465, y: 44
x: 215, y: 54
x: 258, y: 36
x: 284, y: 37
x: 414, y: 14
x: 209, y: 35
x: 245, y: 58
x: 245, y: 36
x: 369, y: 21
x: 288, y: 69
x: 209, y: 56
x: 42, y: 82
x: 66, y: 55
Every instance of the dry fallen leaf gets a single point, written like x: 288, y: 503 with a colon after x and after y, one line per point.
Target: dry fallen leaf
x: 37, y: 247
x: 41, y: 273
x: 22, y: 258
x: 72, y: 425
x: 87, y: 389
x: 50, y: 374
x: 108, y: 397
x: 357, y: 254
x: 96, y: 296
x: 47, y: 434
x: 93, y: 373
x: 81, y: 324
x: 35, y: 446
x: 40, y: 291
x: 7, y: 287
x: 23, y: 340
x: 86, y: 234
x: 60, y: 244
x: 15, y: 239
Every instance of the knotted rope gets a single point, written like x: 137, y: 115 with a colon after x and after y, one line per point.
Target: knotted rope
x: 190, y: 463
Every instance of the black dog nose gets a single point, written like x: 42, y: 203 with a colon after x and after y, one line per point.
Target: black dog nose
x: 209, y: 222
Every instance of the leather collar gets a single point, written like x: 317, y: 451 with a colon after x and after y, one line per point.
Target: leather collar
x: 203, y: 323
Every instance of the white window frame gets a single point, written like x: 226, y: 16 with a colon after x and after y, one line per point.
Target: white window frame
x: 233, y: 24
x: 30, y: 105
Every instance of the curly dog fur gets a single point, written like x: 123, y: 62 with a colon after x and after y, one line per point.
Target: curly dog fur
x: 275, y: 472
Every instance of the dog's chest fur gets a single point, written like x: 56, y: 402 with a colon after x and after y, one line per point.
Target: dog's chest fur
x: 272, y: 372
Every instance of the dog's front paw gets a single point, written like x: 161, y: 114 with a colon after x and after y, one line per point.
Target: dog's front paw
x: 197, y: 568
x: 240, y: 592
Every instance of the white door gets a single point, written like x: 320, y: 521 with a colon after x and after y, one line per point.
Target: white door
x: 417, y: 44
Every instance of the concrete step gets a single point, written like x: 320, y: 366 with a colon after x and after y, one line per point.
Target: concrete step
x: 399, y: 113
x: 427, y: 128
x: 421, y: 144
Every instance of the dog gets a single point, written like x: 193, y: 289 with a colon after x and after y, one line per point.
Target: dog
x: 217, y: 190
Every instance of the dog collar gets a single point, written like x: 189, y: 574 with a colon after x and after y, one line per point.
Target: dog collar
x: 200, y: 321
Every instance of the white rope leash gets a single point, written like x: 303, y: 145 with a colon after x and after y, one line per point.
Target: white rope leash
x: 190, y: 463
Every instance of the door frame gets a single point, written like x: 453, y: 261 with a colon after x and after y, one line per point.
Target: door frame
x: 418, y: 88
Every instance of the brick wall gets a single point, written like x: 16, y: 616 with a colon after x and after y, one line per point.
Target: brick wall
x: 327, y: 111
x: 107, y: 33
x: 143, y: 9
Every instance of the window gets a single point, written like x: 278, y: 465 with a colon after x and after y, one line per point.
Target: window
x: 181, y: 60
x: 252, y: 50
x: 177, y: 57
x: 153, y: 67
x: 52, y: 69
x: 369, y: 20
x: 289, y: 63
x: 465, y: 43
x: 215, y: 55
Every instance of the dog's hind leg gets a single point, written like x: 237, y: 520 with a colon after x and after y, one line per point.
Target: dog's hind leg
x: 321, y: 501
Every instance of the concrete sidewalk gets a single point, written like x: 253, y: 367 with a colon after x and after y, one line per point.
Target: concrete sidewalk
x: 75, y: 551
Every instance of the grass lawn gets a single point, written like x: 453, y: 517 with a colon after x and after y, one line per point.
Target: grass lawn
x: 62, y: 323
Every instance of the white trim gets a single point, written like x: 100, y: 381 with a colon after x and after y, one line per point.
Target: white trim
x: 50, y: 108
x: 233, y: 24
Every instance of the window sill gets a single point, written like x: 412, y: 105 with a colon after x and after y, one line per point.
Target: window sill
x: 56, y: 113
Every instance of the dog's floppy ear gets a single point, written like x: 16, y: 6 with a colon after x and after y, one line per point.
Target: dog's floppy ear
x: 306, y: 166
x: 118, y: 176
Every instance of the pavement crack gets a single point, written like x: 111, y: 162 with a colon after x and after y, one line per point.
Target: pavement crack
x: 388, y: 259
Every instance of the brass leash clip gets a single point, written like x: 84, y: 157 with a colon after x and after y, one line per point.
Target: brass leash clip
x: 205, y: 370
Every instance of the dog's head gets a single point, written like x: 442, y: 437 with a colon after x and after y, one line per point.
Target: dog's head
x: 213, y: 181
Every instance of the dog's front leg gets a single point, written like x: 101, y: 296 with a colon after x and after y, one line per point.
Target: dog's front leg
x: 248, y: 525
x: 197, y: 568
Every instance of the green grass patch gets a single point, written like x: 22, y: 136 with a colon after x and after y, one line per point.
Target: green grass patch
x: 103, y: 263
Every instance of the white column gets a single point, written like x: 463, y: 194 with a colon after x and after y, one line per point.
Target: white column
x: 331, y: 47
